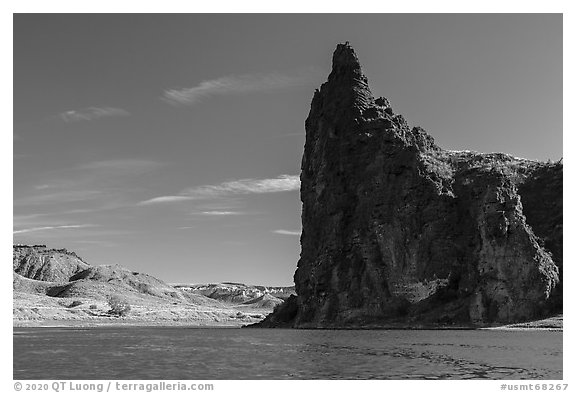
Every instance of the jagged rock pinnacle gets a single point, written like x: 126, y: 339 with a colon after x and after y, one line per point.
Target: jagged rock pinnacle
x: 345, y: 62
x: 346, y: 93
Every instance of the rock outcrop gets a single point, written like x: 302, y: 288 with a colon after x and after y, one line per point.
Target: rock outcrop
x: 398, y: 231
x: 45, y: 264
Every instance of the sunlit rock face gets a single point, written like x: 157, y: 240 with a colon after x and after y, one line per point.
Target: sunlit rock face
x: 397, y: 230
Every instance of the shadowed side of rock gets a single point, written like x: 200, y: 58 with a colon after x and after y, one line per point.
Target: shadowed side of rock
x: 542, y: 203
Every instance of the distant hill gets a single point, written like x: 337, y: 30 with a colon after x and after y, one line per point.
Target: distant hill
x: 57, y: 285
x: 60, y: 273
x: 264, y: 301
x: 238, y: 293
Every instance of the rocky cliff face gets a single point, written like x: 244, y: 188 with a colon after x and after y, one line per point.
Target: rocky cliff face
x: 44, y: 264
x: 398, y: 230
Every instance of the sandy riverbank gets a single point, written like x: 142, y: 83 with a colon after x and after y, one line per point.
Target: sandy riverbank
x: 555, y: 323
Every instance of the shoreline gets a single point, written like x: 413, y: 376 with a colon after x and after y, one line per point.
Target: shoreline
x: 119, y: 322
x: 552, y: 324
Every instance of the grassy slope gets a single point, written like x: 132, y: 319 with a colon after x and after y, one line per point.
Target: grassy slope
x: 153, y: 302
x: 40, y: 310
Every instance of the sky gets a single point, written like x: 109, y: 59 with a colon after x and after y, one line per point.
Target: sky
x: 171, y: 143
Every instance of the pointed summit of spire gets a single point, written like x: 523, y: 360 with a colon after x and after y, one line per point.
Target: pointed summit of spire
x: 347, y: 88
x: 345, y: 61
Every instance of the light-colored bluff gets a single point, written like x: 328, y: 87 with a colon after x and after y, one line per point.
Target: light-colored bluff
x: 398, y: 231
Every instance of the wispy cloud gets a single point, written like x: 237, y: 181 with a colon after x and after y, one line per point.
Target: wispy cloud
x: 165, y: 199
x: 281, y: 183
x: 221, y: 213
x: 239, y: 84
x: 50, y: 228
x: 247, y: 186
x: 92, y: 113
x: 285, y: 232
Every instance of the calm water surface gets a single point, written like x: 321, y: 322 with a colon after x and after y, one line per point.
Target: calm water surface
x: 192, y: 353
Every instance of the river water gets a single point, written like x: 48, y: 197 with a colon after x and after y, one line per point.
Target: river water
x: 193, y: 353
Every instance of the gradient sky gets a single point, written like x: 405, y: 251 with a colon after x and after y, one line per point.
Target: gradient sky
x: 171, y: 144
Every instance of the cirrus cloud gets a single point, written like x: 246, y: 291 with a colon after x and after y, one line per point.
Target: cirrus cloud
x: 92, y: 113
x: 287, y: 232
x: 50, y: 228
x: 221, y: 213
x: 281, y: 183
x: 239, y: 84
